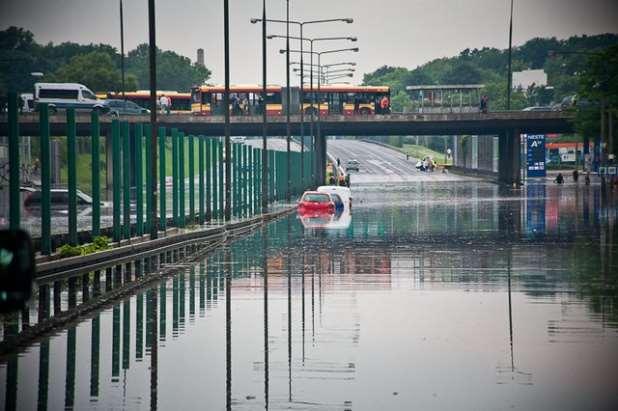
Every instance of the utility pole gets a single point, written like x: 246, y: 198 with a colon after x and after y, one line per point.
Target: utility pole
x: 509, y: 84
x: 154, y: 226
x: 226, y: 106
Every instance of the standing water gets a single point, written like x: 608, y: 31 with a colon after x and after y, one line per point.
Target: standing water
x: 449, y: 295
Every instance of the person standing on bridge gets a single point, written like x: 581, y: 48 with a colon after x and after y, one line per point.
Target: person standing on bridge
x: 484, y: 104
x: 165, y: 104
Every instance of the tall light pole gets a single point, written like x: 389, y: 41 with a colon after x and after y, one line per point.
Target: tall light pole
x: 122, y: 49
x: 226, y: 110
x: 288, y: 191
x: 321, y: 156
x: 264, y: 117
x: 152, y: 53
x: 302, y: 78
x: 301, y: 24
x: 509, y: 84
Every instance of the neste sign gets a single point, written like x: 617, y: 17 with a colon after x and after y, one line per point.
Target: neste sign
x: 535, y: 144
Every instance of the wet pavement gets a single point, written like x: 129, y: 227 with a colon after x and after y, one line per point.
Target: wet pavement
x: 431, y: 295
x: 380, y: 164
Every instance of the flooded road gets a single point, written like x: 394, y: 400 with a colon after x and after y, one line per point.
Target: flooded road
x: 433, y: 295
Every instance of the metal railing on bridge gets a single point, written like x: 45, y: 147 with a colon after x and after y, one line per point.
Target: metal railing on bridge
x: 189, y: 185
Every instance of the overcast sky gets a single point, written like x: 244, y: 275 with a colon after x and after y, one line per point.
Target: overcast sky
x: 404, y: 33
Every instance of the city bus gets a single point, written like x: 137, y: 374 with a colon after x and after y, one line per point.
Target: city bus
x: 181, y: 102
x: 244, y: 100
x: 348, y: 100
x: 335, y: 99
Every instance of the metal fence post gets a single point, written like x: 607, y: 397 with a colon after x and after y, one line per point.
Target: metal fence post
x: 175, y: 176
x: 126, y: 179
x: 95, y: 165
x: 14, y: 164
x: 191, y: 179
x: 222, y: 192
x: 138, y: 136
x: 215, y: 177
x: 234, y: 167
x: 71, y: 175
x: 181, y: 178
x: 149, y: 177
x: 209, y: 173
x: 46, y: 245
x: 200, y: 168
x: 162, y: 188
x: 116, y: 179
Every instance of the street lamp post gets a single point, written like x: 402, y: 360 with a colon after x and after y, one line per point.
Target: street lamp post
x: 226, y: 111
x: 122, y: 50
x: 302, y: 78
x: 264, y: 116
x: 152, y: 54
x: 301, y: 24
x: 509, y: 84
x: 321, y: 157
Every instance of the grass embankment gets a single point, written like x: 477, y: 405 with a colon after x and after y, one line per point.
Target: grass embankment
x: 84, y: 180
x: 420, y: 152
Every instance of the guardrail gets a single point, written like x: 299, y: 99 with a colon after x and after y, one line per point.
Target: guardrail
x: 194, y: 163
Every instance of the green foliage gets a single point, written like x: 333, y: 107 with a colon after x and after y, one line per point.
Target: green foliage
x: 489, y: 66
x: 598, y: 87
x: 69, y: 250
x: 95, y: 65
x: 99, y: 243
x: 95, y: 69
x: 174, y: 72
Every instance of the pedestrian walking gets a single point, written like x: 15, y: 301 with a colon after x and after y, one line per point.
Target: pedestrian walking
x: 587, y: 178
x: 575, y: 175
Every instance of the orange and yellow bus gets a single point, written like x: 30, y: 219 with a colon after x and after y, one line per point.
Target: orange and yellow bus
x: 244, y: 100
x: 334, y: 99
x: 181, y: 102
x: 348, y: 100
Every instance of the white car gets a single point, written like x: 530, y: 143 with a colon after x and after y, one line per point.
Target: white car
x: 344, y: 192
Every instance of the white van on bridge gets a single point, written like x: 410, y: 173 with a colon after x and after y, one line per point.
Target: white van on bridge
x: 67, y: 95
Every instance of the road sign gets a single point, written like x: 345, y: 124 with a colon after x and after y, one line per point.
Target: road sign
x: 535, y: 144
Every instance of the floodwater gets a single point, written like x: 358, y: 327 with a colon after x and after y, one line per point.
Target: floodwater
x: 448, y: 295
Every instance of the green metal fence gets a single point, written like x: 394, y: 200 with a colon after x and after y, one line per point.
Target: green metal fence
x: 121, y: 202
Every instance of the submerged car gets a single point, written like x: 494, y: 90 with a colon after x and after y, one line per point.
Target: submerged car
x: 344, y: 192
x: 314, y: 201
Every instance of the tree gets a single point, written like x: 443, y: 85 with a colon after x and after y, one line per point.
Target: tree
x: 96, y: 70
x: 598, y: 88
x: 18, y: 58
x: 462, y: 72
x: 174, y: 72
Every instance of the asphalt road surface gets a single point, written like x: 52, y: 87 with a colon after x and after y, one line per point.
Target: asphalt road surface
x: 381, y: 164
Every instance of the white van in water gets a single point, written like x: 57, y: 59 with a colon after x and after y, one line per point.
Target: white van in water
x: 67, y: 95
x: 344, y: 192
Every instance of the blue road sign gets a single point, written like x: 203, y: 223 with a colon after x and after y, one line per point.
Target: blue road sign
x: 536, y: 155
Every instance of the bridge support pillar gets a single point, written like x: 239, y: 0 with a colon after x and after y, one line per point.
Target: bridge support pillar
x: 510, y: 158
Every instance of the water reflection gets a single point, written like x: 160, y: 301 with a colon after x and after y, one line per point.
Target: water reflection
x: 431, y: 293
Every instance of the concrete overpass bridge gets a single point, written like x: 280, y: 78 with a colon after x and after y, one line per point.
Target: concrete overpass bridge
x: 507, y: 125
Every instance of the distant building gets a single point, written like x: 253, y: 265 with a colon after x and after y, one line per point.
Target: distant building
x: 526, y: 78
x: 200, y: 57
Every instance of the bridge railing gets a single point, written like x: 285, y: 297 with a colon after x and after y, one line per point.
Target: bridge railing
x: 70, y: 190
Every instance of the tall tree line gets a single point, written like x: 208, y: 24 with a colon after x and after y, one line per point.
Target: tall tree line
x: 97, y: 66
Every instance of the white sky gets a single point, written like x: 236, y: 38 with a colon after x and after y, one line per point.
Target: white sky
x: 394, y: 32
